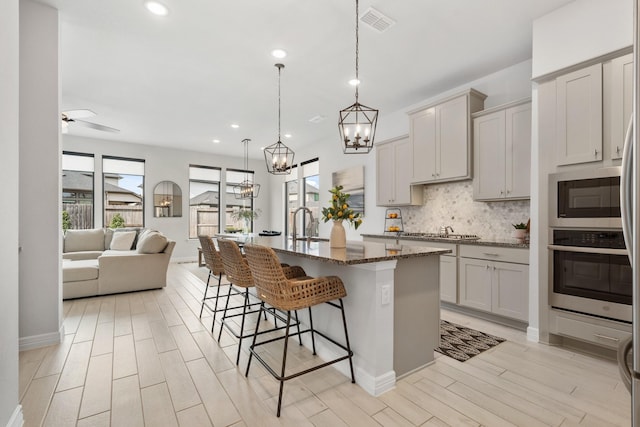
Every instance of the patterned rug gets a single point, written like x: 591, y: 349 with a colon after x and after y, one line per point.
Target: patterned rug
x: 463, y: 343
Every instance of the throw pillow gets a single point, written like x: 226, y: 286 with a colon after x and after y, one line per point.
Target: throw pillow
x: 84, y: 240
x: 152, y: 243
x: 122, y: 240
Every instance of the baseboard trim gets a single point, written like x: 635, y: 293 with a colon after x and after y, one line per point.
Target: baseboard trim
x: 16, y: 420
x: 183, y: 260
x: 42, y: 340
x: 533, y: 334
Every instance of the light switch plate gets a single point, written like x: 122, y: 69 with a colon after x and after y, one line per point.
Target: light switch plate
x: 385, y: 298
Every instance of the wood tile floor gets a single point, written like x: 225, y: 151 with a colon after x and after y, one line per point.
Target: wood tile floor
x: 146, y: 358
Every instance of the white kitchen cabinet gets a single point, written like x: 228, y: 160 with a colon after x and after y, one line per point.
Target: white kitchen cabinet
x: 502, y: 153
x: 621, y: 102
x: 579, y: 116
x: 490, y: 283
x: 449, y: 279
x: 441, y: 138
x: 394, y: 171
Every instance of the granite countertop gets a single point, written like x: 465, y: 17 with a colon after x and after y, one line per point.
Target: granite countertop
x: 354, y: 253
x: 509, y: 243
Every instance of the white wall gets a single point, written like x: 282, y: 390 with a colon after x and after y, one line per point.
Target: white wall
x: 506, y: 85
x: 580, y: 31
x: 162, y: 164
x: 10, y: 413
x: 39, y: 212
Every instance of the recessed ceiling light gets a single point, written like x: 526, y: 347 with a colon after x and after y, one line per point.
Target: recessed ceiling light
x: 354, y: 82
x: 287, y: 135
x: 156, y: 8
x: 279, y: 53
x: 235, y: 126
x: 216, y: 141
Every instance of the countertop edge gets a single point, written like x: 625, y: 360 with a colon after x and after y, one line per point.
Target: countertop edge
x: 504, y: 244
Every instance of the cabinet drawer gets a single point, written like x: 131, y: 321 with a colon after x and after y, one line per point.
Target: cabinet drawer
x: 493, y: 253
x: 589, y: 330
x: 428, y: 244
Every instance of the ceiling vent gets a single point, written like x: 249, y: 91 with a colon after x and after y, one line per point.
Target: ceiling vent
x: 375, y: 20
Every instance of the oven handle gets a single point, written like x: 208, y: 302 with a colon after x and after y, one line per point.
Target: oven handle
x: 604, y: 251
x: 626, y: 189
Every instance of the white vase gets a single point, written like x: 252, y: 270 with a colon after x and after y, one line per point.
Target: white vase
x: 338, y: 237
x: 519, y: 233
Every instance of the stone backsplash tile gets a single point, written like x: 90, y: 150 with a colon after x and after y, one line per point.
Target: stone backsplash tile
x: 452, y: 204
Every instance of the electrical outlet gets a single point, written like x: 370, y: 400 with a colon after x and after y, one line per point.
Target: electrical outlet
x: 385, y: 298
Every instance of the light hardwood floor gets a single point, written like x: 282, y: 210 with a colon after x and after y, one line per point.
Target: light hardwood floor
x: 146, y: 358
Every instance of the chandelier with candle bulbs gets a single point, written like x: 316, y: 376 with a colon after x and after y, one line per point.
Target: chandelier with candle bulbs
x: 279, y: 157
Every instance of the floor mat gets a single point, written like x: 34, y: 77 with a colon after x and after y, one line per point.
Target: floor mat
x: 463, y: 343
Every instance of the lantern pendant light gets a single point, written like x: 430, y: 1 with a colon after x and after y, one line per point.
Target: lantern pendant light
x: 246, y: 189
x: 357, y: 123
x: 279, y: 157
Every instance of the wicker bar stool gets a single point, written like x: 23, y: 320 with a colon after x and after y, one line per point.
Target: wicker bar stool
x: 213, y: 262
x: 239, y: 275
x: 286, y: 294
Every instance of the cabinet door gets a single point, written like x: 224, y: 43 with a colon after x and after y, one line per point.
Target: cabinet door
x: 579, y: 116
x: 403, y: 155
x: 518, y: 151
x: 422, y: 133
x: 510, y: 293
x: 448, y: 279
x: 384, y: 174
x: 621, y: 101
x: 489, y: 156
x: 475, y: 283
x: 452, y: 136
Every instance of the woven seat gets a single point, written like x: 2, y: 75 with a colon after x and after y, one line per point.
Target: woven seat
x: 239, y: 275
x: 289, y: 294
x: 213, y: 262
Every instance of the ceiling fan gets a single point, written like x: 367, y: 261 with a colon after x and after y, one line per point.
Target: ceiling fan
x: 77, y: 116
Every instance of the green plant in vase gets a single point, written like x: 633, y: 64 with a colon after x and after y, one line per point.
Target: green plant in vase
x: 245, y: 215
x: 339, y: 208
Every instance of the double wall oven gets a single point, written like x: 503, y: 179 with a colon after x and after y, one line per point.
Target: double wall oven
x: 591, y: 273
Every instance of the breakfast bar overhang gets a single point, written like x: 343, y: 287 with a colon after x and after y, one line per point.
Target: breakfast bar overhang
x: 392, y: 304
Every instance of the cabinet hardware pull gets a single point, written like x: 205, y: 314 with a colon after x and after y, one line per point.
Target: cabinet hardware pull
x: 508, y: 191
x: 494, y: 268
x: 486, y: 266
x: 617, y: 149
x: 433, y: 175
x: 604, y: 337
x: 501, y: 192
x: 595, y: 152
x: 490, y: 254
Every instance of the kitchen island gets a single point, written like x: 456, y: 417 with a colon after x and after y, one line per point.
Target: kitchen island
x: 392, y: 304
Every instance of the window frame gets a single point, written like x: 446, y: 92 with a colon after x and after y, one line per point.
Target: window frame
x: 104, y: 193
x: 93, y: 182
x: 203, y: 181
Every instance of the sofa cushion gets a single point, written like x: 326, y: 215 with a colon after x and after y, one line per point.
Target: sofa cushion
x: 122, y: 241
x: 109, y: 232
x: 151, y: 242
x: 84, y: 240
x: 76, y: 271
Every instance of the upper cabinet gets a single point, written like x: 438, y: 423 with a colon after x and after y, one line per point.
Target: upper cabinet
x: 579, y: 116
x: 394, y: 171
x: 441, y: 138
x: 502, y: 152
x: 621, y: 102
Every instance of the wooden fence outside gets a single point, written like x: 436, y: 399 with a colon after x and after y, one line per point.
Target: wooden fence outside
x: 81, y: 215
x: 132, y: 215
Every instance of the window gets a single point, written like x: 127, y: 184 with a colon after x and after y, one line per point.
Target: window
x: 77, y: 190
x: 204, y: 201
x: 305, y: 176
x: 123, y: 186
x: 234, y: 222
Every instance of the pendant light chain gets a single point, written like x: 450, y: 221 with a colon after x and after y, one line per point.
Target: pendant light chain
x: 357, y: 51
x: 279, y: 72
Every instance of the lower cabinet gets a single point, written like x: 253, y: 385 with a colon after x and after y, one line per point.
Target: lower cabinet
x: 449, y: 279
x: 497, y: 287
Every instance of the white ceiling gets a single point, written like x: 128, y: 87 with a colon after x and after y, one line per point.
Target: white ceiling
x: 181, y: 80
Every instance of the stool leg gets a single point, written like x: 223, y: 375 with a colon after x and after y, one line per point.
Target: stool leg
x: 215, y: 307
x: 346, y: 336
x: 224, y: 314
x: 313, y: 339
x: 204, y: 298
x: 298, y: 326
x: 244, y: 312
x: 284, y: 361
x: 253, y: 343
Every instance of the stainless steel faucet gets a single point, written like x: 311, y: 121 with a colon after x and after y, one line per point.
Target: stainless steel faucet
x: 444, y: 230
x: 294, y: 231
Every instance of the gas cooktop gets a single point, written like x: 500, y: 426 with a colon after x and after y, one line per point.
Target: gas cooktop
x: 449, y: 236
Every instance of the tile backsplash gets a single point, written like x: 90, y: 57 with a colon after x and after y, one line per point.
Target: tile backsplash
x: 452, y: 204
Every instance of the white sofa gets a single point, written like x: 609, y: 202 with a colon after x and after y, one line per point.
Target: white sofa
x: 102, y: 261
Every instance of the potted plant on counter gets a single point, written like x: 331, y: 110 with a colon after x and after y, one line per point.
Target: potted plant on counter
x: 246, y: 216
x: 520, y: 230
x: 339, y: 211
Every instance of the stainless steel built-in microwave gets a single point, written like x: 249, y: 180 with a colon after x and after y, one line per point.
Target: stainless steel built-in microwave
x: 585, y: 198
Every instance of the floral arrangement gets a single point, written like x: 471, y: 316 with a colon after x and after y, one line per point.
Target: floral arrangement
x: 339, y: 208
